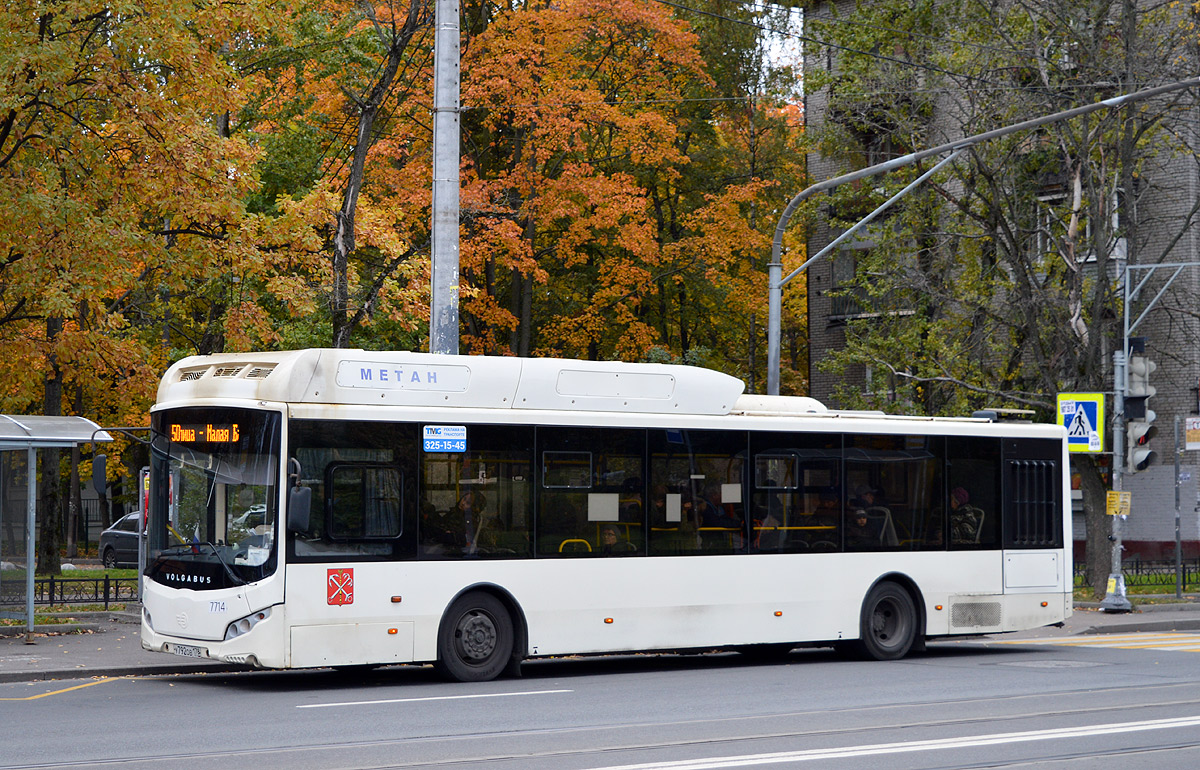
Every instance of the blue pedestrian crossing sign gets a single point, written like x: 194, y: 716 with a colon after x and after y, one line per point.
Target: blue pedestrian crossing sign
x: 1082, y: 414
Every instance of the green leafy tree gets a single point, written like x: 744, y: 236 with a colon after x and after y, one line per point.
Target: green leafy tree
x: 996, y: 285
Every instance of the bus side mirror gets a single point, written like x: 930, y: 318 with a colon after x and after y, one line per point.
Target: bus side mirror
x: 100, y: 475
x: 299, y: 505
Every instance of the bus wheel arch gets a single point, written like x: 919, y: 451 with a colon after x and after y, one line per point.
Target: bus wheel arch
x: 482, y: 634
x: 891, y: 620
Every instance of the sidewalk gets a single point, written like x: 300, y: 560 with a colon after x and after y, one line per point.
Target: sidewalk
x: 112, y: 646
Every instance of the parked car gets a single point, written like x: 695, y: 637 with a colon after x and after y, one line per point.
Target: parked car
x: 119, y: 543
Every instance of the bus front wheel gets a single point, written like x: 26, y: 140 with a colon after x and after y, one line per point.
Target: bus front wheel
x: 888, y: 624
x: 475, y: 641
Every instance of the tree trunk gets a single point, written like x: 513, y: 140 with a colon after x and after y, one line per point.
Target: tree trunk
x: 48, y: 561
x: 73, y: 506
x: 1098, y: 553
x: 368, y: 106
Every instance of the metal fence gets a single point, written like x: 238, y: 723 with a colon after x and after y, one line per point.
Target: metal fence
x: 1139, y: 572
x: 46, y: 591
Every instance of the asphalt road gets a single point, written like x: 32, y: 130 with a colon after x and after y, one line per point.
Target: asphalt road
x: 1129, y: 701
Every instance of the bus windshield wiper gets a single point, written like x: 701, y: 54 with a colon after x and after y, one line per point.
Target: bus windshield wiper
x: 217, y: 552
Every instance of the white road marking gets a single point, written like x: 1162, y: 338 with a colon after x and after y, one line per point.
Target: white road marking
x: 433, y: 698
x: 965, y: 742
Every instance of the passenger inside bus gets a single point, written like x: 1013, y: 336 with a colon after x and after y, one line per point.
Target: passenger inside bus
x: 859, y: 532
x: 867, y: 497
x: 724, y: 528
x: 612, y: 544
x: 826, y: 520
x: 966, y: 521
x: 768, y: 518
x: 455, y: 531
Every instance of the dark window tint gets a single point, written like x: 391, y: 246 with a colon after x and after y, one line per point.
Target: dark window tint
x: 973, y: 492
x: 796, y: 501
x: 893, y: 492
x: 697, y: 492
x: 364, y: 501
x: 479, y: 503
x: 364, y: 491
x: 1033, y: 494
x: 591, y: 495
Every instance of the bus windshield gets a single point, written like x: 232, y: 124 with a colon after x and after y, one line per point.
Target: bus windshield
x: 214, y: 481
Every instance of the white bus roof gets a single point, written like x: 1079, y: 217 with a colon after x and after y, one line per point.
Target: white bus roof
x: 399, y: 378
x: 336, y: 376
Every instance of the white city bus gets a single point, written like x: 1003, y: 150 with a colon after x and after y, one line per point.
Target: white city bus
x: 355, y: 508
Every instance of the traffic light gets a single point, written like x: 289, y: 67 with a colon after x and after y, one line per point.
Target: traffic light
x: 1138, y: 454
x: 1139, y: 426
x: 1140, y: 390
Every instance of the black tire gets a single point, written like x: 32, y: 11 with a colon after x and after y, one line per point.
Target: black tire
x: 888, y: 623
x: 475, y: 641
x: 110, y: 558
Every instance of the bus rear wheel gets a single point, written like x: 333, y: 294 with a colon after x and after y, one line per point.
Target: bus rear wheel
x: 888, y: 624
x: 475, y: 641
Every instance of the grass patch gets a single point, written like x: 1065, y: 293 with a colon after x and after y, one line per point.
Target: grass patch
x: 38, y: 620
x: 1084, y: 594
x: 16, y: 575
x: 112, y: 607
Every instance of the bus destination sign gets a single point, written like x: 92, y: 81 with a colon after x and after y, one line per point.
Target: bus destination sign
x: 205, y: 434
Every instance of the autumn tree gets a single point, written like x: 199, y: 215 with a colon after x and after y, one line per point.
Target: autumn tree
x: 601, y: 198
x: 743, y: 141
x: 114, y: 176
x: 341, y: 114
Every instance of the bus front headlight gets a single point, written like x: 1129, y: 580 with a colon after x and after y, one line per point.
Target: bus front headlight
x: 243, y: 625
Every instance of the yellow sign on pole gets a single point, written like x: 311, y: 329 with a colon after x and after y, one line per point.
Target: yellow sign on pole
x: 1082, y: 414
x: 1191, y: 426
x: 1118, y: 503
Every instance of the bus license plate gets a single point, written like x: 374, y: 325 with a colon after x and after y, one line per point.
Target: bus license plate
x: 187, y: 651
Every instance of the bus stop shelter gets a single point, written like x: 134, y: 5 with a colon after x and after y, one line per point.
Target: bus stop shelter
x: 31, y: 433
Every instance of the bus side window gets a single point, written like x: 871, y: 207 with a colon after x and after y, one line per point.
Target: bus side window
x: 363, y: 492
x: 477, y: 504
x: 364, y: 501
x: 896, y: 480
x: 973, y: 492
x: 699, y: 501
x: 796, y: 500
x: 591, y: 480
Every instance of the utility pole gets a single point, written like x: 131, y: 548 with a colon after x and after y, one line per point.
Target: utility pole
x: 1114, y: 597
x: 443, y: 300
